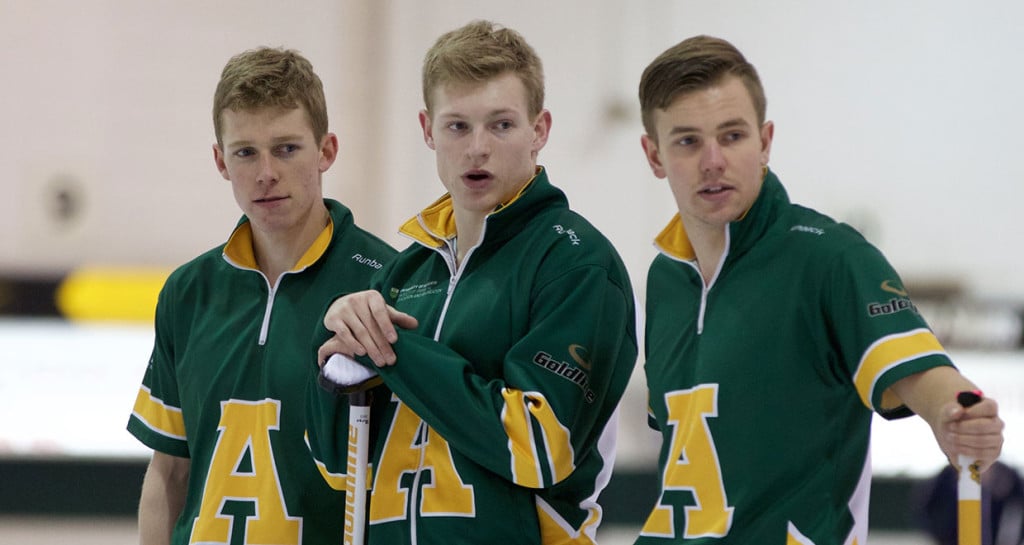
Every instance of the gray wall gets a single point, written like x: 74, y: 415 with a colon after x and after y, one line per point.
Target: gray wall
x: 901, y: 117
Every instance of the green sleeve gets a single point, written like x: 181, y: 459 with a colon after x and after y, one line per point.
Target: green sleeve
x: 156, y: 418
x: 561, y: 381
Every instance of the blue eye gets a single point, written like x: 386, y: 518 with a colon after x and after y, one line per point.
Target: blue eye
x: 245, y: 152
x: 733, y: 137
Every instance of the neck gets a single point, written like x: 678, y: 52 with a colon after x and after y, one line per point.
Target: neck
x: 708, y: 245
x: 277, y: 252
x: 469, y: 229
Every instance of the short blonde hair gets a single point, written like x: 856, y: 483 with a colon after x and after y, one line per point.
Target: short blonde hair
x: 480, y: 51
x: 270, y: 78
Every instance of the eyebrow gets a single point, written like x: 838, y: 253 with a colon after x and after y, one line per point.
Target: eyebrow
x: 274, y: 141
x: 729, y: 124
x: 493, y: 113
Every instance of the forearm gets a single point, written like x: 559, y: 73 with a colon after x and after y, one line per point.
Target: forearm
x: 976, y: 431
x: 163, y: 497
x: 927, y: 392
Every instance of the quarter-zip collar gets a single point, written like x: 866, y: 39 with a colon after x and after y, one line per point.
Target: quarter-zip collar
x: 240, y: 253
x: 434, y: 226
x: 740, y: 236
x: 239, y: 250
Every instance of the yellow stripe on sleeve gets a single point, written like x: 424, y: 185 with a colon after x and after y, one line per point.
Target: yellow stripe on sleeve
x: 556, y: 438
x: 521, y: 409
x: 158, y: 416
x: 888, y: 352
x: 525, y: 466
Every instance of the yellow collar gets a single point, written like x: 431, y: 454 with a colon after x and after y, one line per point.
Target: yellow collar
x: 436, y: 223
x: 240, y: 250
x: 674, y: 241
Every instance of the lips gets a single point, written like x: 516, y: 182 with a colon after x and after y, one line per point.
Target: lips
x: 269, y: 199
x: 714, y: 189
x: 477, y: 175
x: 477, y: 179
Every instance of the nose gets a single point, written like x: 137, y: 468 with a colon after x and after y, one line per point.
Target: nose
x: 267, y: 172
x: 712, y: 160
x: 479, y: 145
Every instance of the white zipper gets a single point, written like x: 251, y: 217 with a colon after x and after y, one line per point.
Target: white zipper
x: 265, y: 327
x: 271, y: 294
x: 456, y: 274
x: 706, y: 287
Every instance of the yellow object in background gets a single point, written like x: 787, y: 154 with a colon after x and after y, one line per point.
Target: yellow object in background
x: 122, y: 294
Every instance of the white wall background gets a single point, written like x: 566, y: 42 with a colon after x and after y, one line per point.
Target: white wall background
x: 901, y: 116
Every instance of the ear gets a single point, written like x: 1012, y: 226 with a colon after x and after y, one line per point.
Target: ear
x: 428, y: 129
x: 218, y: 159
x: 541, y: 130
x: 767, y: 133
x: 650, y: 146
x: 328, y: 151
